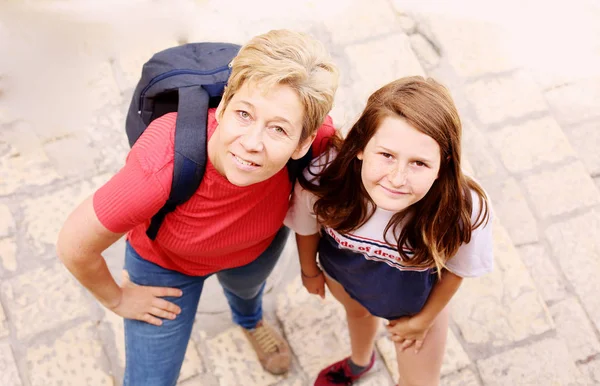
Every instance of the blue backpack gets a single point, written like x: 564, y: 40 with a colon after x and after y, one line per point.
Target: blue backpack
x: 188, y: 79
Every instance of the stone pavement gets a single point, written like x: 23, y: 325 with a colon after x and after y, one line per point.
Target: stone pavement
x: 526, y: 78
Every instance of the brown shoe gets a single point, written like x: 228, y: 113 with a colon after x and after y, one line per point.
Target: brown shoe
x: 271, y: 348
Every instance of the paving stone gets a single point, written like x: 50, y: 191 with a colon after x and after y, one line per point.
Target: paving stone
x: 45, y: 215
x: 21, y: 140
x: 465, y: 377
x: 115, y: 324
x: 556, y: 52
x: 346, y: 109
x: 234, y: 361
x: 292, y: 382
x: 102, y: 85
x: 503, y: 307
x: 466, y: 167
x: 387, y: 350
x: 8, y: 255
x: 351, y: 22
x: 71, y: 156
x: 455, y: 357
x: 32, y: 300
x: 75, y: 358
x: 577, y: 239
x: 5, y: 149
x: 473, y: 48
x: 3, y: 324
x: 407, y: 23
x: 76, y: 63
x: 377, y: 376
x: 561, y: 190
x: 376, y: 65
x: 9, y: 374
x: 585, y: 139
x: 107, y: 137
x: 208, y: 27
x: 192, y: 363
x: 511, y: 207
x: 26, y: 165
x: 7, y: 222
x: 246, y: 14
x: 103, y: 90
x: 5, y: 115
x: 315, y: 348
x: 199, y: 381
x: 549, y: 282
x: 424, y: 51
x: 530, y: 144
x: 575, y: 102
x: 591, y: 370
x: 477, y: 148
x: 505, y: 97
x: 552, y: 366
x: 575, y: 329
x: 131, y: 61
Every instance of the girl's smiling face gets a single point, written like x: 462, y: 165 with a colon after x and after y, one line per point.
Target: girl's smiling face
x: 399, y: 164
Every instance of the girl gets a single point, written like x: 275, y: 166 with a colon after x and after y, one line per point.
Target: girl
x: 400, y: 226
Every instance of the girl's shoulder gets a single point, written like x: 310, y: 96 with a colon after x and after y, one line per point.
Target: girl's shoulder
x: 480, y: 205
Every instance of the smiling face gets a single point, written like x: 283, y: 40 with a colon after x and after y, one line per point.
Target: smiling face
x: 258, y: 132
x: 399, y: 164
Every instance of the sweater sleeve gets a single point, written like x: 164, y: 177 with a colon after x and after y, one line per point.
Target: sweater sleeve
x: 325, y: 131
x: 142, y: 186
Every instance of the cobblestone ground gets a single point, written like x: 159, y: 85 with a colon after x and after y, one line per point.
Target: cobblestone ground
x: 526, y: 78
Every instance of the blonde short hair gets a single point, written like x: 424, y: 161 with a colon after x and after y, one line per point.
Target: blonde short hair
x: 291, y: 58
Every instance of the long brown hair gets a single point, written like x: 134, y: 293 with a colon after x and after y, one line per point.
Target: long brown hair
x: 438, y: 223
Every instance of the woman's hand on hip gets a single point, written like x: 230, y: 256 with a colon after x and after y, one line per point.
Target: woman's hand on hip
x: 145, y: 303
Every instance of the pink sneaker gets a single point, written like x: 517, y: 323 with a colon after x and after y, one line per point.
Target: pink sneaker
x: 339, y: 373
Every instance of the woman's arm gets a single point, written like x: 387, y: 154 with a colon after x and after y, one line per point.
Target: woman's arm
x: 80, y: 245
x: 312, y: 276
x: 413, y: 329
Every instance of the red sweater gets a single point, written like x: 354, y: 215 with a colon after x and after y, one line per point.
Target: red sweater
x: 222, y: 226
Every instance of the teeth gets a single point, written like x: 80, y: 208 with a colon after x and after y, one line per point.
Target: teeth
x: 243, y: 161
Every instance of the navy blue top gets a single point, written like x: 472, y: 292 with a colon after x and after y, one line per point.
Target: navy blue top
x: 384, y: 291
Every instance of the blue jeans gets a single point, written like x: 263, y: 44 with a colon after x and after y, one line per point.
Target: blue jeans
x: 154, y: 354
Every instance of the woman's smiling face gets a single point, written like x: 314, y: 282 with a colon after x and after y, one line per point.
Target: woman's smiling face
x: 258, y: 132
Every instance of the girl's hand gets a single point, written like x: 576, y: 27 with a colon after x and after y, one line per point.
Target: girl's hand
x: 408, y: 331
x: 145, y: 303
x: 314, y: 284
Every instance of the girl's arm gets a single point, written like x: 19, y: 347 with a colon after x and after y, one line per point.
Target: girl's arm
x: 413, y: 329
x: 440, y: 296
x: 307, y: 252
x: 312, y: 276
x: 80, y: 244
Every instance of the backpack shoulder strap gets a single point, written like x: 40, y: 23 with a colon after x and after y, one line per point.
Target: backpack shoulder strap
x: 190, y: 152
